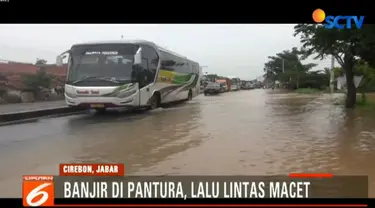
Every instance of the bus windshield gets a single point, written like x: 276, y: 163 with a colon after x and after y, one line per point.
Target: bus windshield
x: 109, y: 63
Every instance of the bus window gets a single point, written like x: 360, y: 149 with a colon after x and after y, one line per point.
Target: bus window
x: 152, y: 58
x: 153, y: 63
x: 182, y: 67
x: 195, y: 69
x: 167, y: 62
x: 175, y: 63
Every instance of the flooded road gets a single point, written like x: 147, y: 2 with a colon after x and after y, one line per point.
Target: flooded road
x: 253, y: 132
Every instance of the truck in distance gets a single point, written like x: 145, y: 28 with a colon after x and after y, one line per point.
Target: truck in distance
x: 223, y: 87
x: 127, y: 73
x: 235, y: 83
x: 224, y: 83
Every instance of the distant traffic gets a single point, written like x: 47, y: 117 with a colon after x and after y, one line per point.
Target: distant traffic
x: 212, y: 85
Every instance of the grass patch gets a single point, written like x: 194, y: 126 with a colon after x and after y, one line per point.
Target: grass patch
x: 369, y: 102
x: 307, y: 91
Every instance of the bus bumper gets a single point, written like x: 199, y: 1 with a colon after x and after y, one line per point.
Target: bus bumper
x: 103, y: 102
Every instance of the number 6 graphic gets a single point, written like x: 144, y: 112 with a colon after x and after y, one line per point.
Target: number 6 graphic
x: 36, y: 192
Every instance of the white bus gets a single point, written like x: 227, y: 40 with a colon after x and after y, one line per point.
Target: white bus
x: 235, y: 83
x: 127, y: 74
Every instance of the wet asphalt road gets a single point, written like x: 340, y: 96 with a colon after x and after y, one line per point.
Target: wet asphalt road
x: 20, y: 107
x: 253, y: 132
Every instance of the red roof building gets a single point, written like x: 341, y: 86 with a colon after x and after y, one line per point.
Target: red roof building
x: 13, y: 74
x: 17, y: 68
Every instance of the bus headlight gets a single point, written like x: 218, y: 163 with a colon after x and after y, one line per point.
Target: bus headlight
x: 126, y: 93
x: 71, y: 95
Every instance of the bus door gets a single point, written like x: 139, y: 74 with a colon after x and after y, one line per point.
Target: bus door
x: 144, y: 95
x: 149, y: 64
x: 144, y: 85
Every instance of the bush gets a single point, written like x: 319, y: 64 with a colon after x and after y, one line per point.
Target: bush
x: 314, y: 80
x: 34, y: 82
x: 2, y: 101
x: 10, y: 98
x: 2, y: 92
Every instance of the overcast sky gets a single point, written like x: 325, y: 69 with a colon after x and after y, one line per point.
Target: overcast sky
x: 228, y: 50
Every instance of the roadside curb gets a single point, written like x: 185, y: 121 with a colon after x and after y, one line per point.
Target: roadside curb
x: 9, y: 118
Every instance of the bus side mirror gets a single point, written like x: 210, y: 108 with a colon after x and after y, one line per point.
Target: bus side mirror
x: 60, y: 58
x: 138, y: 56
x: 59, y: 61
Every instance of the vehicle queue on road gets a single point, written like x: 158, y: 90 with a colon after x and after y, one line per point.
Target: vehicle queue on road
x: 227, y: 84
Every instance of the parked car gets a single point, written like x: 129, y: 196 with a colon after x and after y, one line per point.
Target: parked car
x: 212, y: 89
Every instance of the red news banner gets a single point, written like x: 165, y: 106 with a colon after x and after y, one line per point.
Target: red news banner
x: 92, y: 184
x: 92, y: 170
x: 39, y: 190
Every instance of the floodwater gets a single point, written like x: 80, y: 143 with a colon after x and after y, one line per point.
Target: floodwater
x: 254, y: 132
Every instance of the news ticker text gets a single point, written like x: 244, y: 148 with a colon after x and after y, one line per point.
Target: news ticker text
x: 200, y: 187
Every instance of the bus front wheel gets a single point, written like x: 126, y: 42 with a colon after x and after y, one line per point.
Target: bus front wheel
x: 190, y: 96
x: 154, y: 102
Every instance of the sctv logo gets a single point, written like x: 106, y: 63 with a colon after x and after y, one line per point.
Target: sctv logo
x: 331, y: 22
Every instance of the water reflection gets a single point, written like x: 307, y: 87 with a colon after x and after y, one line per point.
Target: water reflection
x: 146, y: 140
x: 268, y: 133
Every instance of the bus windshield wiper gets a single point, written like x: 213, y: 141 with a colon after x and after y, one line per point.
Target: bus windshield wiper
x: 85, y: 78
x: 123, y: 80
x: 96, y: 77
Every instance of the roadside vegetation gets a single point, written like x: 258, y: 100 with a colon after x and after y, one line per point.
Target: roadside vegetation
x: 37, y: 84
x: 354, y: 51
x: 29, y: 87
x: 368, y: 103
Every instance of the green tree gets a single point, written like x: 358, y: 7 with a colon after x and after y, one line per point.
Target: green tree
x: 346, y: 46
x: 366, y: 46
x: 315, y: 79
x: 3, y: 80
x: 337, y: 72
x: 40, y: 61
x: 368, y: 80
x: 35, y: 82
x: 293, y: 67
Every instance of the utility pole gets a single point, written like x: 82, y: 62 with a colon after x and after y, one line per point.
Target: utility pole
x: 332, y: 75
x: 283, y: 65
